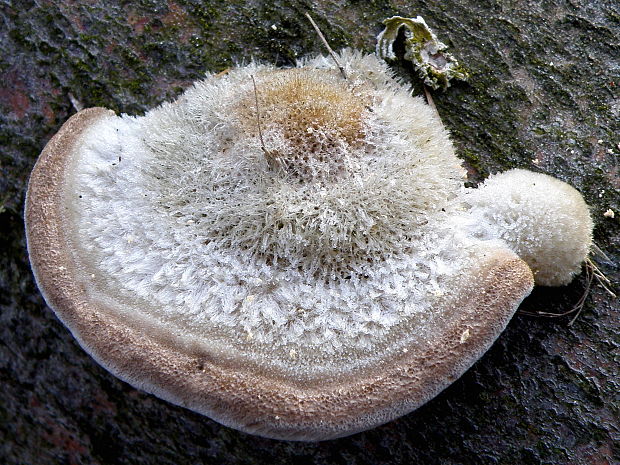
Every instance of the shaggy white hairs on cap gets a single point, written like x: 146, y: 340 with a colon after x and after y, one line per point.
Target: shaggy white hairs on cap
x: 352, y: 169
x: 543, y: 220
x: 344, y: 229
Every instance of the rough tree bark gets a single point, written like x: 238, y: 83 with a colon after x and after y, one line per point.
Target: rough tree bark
x: 543, y: 95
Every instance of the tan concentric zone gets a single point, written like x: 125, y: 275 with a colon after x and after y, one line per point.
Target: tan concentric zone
x: 248, y: 400
x: 314, y: 112
x: 300, y: 99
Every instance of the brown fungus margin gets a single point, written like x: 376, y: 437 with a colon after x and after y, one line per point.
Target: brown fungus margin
x: 247, y: 399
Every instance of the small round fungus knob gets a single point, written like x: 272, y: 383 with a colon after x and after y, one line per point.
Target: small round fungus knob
x: 543, y: 220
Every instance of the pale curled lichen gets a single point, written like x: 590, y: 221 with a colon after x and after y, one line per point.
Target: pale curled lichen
x: 427, y: 53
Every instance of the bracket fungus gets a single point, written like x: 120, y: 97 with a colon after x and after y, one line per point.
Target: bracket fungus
x: 295, y: 258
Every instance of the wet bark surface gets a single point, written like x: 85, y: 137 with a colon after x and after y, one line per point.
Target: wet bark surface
x: 543, y: 95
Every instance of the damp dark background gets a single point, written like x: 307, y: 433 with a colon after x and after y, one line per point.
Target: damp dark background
x: 544, y: 94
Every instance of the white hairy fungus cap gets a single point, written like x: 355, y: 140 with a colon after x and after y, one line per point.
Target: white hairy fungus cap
x: 317, y: 286
x: 543, y: 220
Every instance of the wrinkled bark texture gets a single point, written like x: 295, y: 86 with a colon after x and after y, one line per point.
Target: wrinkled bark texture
x: 543, y: 95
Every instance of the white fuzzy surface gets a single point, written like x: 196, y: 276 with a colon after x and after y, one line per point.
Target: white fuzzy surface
x: 180, y: 216
x: 542, y: 219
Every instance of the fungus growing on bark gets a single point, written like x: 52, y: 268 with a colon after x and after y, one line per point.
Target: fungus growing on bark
x: 308, y: 281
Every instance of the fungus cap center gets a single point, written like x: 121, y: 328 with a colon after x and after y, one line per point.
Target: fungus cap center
x: 311, y: 120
